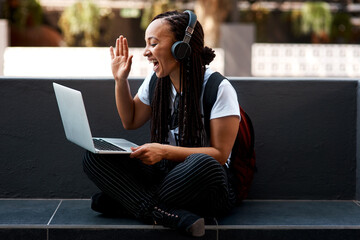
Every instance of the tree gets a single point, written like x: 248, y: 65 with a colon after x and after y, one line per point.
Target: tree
x: 81, y: 21
x: 315, y: 19
x: 211, y: 13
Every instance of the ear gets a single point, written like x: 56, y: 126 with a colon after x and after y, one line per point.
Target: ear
x: 180, y: 50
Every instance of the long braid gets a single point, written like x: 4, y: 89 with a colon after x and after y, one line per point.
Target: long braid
x: 160, y: 111
x: 191, y: 128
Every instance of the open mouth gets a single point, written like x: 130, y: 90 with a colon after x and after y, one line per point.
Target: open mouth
x: 156, y: 64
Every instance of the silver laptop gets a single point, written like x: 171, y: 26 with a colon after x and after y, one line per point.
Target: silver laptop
x: 76, y: 124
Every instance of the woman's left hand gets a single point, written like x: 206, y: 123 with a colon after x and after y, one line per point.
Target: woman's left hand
x: 149, y: 153
x: 120, y: 59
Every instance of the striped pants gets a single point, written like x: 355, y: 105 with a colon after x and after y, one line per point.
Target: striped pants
x: 199, y: 184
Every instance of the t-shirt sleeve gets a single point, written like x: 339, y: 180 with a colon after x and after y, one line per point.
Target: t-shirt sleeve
x: 226, y: 103
x: 143, y: 92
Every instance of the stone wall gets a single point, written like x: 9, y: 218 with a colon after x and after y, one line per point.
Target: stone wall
x: 305, y: 60
x: 76, y: 62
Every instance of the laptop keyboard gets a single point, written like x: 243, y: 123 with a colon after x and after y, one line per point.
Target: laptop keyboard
x: 103, y: 145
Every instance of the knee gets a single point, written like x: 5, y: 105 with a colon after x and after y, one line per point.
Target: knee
x: 207, y: 168
x: 205, y: 160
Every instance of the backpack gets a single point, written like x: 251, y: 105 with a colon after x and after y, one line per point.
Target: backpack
x: 243, y: 161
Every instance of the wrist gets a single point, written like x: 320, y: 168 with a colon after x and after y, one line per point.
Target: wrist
x: 165, y: 151
x: 119, y: 80
x: 120, y: 83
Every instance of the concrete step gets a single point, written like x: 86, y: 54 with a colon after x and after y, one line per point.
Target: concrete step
x: 53, y: 219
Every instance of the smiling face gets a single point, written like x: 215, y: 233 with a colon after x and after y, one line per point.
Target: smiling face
x: 159, y: 39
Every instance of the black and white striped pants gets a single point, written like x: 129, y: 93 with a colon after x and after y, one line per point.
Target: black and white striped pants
x: 199, y: 184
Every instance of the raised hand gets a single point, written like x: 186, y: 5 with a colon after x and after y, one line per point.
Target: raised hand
x: 120, y: 59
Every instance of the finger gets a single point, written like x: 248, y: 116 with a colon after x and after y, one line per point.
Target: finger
x: 121, y: 50
x: 134, y: 148
x: 117, y: 53
x: 112, y: 55
x: 136, y: 152
x: 125, y: 48
x: 136, y: 155
x: 133, y: 154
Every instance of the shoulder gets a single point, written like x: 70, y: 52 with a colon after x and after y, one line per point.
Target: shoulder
x: 224, y: 85
x: 226, y: 103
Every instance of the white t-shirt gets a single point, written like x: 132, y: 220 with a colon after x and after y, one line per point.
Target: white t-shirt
x: 226, y: 103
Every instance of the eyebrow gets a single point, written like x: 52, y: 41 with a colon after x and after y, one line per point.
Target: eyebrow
x: 149, y: 38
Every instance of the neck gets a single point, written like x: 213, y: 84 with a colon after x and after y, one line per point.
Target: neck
x: 175, y: 79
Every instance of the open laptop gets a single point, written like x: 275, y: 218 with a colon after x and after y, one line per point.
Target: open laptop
x: 76, y: 124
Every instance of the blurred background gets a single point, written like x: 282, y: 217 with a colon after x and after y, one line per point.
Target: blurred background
x: 70, y: 38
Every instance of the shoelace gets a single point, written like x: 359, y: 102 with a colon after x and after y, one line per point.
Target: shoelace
x: 165, y: 218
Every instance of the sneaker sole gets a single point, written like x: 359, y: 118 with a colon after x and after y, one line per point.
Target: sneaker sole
x: 197, y: 229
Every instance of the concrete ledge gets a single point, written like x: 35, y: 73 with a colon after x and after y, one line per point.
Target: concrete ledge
x: 61, y: 218
x: 306, y: 137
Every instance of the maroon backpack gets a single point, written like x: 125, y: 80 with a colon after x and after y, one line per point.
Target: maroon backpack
x: 243, y: 161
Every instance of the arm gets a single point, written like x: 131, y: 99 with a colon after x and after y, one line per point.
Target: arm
x: 223, y: 134
x: 133, y: 112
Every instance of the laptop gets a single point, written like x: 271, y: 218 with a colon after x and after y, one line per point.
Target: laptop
x: 76, y: 124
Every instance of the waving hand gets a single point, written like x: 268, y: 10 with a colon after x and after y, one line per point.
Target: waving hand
x: 120, y: 59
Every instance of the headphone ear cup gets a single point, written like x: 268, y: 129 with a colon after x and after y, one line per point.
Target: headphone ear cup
x: 180, y: 50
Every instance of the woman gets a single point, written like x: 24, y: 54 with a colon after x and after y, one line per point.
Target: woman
x: 181, y: 176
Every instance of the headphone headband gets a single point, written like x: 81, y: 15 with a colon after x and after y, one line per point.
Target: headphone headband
x: 192, y: 18
x: 191, y: 25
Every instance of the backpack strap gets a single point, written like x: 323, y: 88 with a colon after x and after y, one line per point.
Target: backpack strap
x: 152, y: 86
x: 209, y: 97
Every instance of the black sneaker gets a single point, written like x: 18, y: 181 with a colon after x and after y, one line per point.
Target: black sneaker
x: 181, y: 220
x: 102, y: 203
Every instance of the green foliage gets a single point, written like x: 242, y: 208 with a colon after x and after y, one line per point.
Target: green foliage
x: 23, y: 13
x: 154, y: 8
x: 130, y: 13
x: 296, y: 26
x: 341, y: 28
x: 81, y: 22
x: 315, y: 18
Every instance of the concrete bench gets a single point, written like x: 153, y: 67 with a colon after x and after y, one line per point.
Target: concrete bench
x: 57, y: 219
x: 307, y: 182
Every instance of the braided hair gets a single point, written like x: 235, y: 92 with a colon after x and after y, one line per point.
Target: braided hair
x: 192, y: 70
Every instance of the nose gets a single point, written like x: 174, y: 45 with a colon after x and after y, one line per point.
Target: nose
x: 146, y: 52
